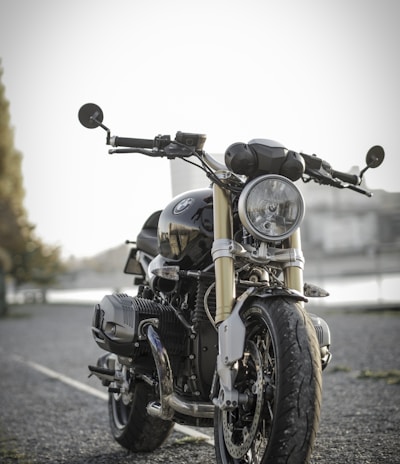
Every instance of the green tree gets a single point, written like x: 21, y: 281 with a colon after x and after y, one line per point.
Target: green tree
x: 23, y: 256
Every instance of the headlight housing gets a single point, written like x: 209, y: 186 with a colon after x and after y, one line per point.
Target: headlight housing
x: 271, y: 208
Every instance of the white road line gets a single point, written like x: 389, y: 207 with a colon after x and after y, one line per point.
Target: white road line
x: 102, y: 395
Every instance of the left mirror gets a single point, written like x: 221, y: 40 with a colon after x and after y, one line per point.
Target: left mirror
x: 90, y: 115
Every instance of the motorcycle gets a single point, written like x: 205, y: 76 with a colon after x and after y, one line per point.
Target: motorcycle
x: 218, y: 334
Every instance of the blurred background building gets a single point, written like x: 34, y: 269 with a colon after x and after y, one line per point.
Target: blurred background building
x: 351, y: 244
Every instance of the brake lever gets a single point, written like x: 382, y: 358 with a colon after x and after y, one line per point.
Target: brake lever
x: 359, y: 190
x: 323, y: 179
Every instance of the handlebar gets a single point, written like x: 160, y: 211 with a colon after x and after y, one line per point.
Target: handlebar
x: 131, y: 143
x: 188, y: 144
x: 345, y: 177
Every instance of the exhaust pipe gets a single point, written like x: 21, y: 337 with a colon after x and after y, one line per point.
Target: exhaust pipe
x: 170, y: 402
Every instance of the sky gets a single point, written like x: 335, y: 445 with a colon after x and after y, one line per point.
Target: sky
x: 318, y: 76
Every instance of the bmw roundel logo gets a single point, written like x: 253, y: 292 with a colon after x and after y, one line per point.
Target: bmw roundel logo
x: 183, y: 205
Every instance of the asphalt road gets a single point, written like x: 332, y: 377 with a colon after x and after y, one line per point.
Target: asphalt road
x: 43, y: 419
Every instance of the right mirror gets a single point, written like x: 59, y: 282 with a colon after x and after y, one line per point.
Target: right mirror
x: 375, y: 156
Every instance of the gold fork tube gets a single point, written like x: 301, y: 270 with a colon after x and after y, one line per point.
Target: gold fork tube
x: 293, y: 274
x: 224, y: 266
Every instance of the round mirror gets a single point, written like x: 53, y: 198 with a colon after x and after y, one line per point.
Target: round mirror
x: 90, y: 115
x: 375, y: 156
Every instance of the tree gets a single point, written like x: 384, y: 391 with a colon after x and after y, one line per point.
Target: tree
x: 38, y: 263
x: 22, y: 255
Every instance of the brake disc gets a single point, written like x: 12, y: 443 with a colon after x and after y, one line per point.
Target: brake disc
x: 237, y: 436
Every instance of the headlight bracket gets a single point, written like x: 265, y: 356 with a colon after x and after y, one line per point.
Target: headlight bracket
x: 264, y: 254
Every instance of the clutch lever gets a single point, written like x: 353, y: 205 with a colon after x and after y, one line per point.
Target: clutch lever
x: 142, y: 151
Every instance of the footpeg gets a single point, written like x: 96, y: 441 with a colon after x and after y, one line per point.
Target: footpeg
x: 105, y: 375
x: 114, y: 390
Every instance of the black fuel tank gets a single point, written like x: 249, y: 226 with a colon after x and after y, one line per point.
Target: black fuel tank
x: 185, y: 228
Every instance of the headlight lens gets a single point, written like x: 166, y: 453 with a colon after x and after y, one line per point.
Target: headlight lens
x: 271, y: 208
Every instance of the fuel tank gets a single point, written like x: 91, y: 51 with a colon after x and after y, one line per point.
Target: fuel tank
x: 185, y: 228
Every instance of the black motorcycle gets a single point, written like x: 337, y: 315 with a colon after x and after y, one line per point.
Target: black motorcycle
x: 218, y: 334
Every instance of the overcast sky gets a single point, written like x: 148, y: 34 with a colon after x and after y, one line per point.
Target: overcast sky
x: 318, y: 76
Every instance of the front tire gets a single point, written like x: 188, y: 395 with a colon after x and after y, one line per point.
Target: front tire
x: 281, y: 374
x: 131, y: 425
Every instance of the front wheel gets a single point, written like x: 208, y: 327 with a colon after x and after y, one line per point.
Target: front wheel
x: 280, y: 373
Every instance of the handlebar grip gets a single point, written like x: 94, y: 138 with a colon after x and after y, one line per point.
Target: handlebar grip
x: 131, y: 143
x: 345, y: 177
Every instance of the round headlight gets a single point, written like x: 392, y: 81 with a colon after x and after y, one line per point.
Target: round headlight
x: 271, y: 208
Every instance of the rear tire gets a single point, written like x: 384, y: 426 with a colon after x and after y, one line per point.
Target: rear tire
x: 131, y: 425
x: 281, y: 372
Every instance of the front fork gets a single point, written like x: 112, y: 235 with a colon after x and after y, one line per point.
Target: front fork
x: 231, y: 330
x: 224, y: 263
x: 294, y: 272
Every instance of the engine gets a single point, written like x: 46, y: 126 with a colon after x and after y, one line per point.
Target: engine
x: 118, y: 320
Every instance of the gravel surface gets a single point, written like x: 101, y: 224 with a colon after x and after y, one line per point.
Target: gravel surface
x: 43, y: 420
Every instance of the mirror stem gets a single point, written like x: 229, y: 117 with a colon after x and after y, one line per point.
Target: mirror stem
x: 100, y: 124
x: 363, y: 171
